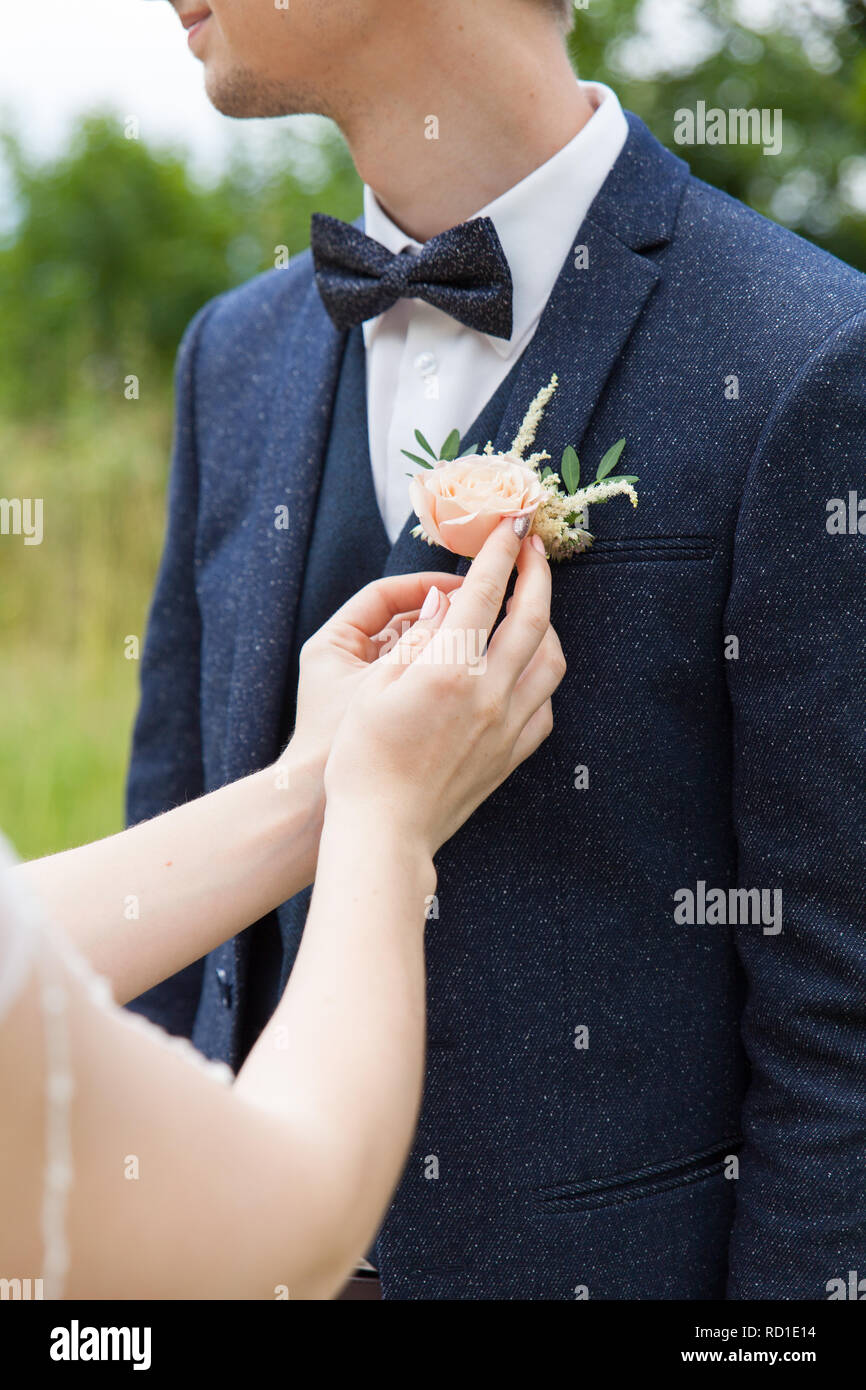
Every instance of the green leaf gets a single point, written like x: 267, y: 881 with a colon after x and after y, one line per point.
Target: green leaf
x: 546, y: 472
x: 473, y: 449
x: 569, y: 470
x: 416, y: 459
x: 610, y: 460
x: 425, y: 446
x: 451, y: 446
x: 622, y: 478
x: 571, y: 519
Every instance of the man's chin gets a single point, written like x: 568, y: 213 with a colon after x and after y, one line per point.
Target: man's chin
x: 245, y: 96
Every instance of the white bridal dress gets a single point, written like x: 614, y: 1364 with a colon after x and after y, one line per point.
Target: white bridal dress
x: 32, y: 955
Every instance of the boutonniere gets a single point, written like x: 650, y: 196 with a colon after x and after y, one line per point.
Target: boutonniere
x: 460, y: 498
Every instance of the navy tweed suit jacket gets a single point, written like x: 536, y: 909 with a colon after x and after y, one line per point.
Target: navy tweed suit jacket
x: 621, y: 1103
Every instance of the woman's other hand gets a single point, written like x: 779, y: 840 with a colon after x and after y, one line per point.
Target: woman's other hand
x: 445, y: 716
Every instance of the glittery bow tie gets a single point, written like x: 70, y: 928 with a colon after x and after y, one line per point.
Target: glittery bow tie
x: 462, y: 271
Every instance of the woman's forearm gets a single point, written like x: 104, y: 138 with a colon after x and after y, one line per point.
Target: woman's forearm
x: 343, y: 1057
x: 142, y: 904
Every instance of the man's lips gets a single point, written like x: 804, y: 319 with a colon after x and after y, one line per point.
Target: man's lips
x: 194, y: 17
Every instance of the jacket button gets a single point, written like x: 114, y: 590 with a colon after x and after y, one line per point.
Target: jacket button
x: 225, y: 986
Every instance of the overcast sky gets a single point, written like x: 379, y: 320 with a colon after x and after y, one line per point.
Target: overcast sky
x: 61, y: 57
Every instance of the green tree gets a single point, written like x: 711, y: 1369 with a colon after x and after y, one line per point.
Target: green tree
x: 117, y: 245
x: 806, y: 58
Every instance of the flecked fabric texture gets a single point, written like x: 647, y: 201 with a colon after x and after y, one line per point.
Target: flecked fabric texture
x: 347, y: 519
x: 541, y: 1168
x: 463, y: 271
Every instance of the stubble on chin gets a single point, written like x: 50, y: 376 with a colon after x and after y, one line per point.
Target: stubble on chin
x: 246, y: 95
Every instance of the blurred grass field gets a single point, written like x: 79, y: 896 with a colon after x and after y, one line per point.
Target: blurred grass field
x: 115, y: 248
x: 66, y: 607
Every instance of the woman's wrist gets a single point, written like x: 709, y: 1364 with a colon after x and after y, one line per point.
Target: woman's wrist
x: 295, y: 796
x: 382, y: 832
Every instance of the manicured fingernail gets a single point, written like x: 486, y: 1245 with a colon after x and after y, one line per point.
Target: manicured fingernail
x: 430, y: 604
x: 521, y: 526
x: 538, y: 543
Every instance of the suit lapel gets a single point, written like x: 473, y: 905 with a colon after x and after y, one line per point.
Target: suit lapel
x: 289, y: 475
x: 587, y: 322
x: 592, y: 312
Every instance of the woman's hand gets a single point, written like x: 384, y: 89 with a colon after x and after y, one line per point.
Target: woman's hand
x: 336, y: 659
x: 437, y: 724
x: 207, y: 869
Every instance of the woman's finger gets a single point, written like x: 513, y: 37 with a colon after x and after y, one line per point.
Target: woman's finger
x: 399, y: 624
x: 532, y: 735
x: 480, y: 598
x: 539, y: 680
x: 404, y: 651
x: 373, y: 608
x: 527, y: 619
x: 476, y: 606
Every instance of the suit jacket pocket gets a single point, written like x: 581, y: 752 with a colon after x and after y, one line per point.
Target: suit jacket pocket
x: 641, y: 1182
x: 607, y: 550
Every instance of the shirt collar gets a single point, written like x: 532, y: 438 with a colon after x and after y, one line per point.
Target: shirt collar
x: 536, y: 219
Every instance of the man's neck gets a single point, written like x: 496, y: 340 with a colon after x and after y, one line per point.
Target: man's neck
x: 453, y: 125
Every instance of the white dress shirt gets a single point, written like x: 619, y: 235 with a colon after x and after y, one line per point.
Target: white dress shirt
x: 427, y: 371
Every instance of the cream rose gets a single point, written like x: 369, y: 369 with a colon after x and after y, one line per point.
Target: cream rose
x: 459, y: 503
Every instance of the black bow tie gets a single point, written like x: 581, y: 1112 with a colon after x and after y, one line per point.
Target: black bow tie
x: 462, y: 271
